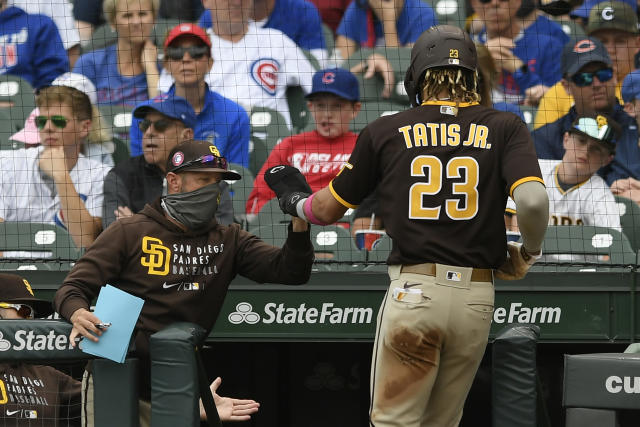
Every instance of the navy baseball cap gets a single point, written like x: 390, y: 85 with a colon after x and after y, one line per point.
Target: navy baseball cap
x: 338, y: 81
x: 631, y: 86
x: 584, y: 9
x: 170, y: 105
x: 577, y: 54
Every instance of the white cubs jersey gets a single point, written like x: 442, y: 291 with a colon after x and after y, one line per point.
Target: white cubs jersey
x: 590, y: 202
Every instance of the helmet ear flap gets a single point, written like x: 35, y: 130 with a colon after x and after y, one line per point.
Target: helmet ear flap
x: 409, y: 86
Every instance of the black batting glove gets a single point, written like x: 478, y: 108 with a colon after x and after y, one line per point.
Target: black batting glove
x: 289, y: 185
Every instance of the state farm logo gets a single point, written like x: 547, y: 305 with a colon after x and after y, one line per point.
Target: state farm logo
x: 28, y: 340
x: 4, y: 344
x: 244, y: 314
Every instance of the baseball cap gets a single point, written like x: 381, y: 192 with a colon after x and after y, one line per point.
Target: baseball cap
x: 338, y: 81
x: 29, y: 134
x: 583, y: 10
x: 199, y: 156
x: 16, y: 289
x: 612, y: 15
x: 577, y: 54
x: 187, y: 30
x: 599, y: 127
x: 631, y: 86
x: 79, y: 82
x: 170, y: 105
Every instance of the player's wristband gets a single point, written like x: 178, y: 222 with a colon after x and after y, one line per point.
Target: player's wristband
x: 308, y: 212
x: 300, y: 209
x: 529, y: 258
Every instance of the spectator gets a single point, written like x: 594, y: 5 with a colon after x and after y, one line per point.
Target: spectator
x: 53, y: 396
x: 319, y: 154
x: 251, y: 65
x: 99, y: 141
x: 589, y: 78
x: 577, y: 195
x: 374, y: 23
x: 173, y: 223
x: 55, y: 183
x: 187, y: 58
x: 88, y: 14
x: 164, y: 122
x: 487, y: 76
x: 619, y: 34
x: 630, y: 187
x: 331, y: 12
x: 528, y: 62
x: 127, y: 72
x: 298, y: 19
x: 31, y: 46
x: 61, y: 11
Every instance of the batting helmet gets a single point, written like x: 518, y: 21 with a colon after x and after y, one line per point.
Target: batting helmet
x: 439, y: 46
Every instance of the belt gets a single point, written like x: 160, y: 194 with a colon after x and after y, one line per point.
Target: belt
x: 429, y: 269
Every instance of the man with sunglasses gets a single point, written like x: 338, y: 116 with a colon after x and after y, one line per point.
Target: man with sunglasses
x: 164, y: 122
x: 588, y: 76
x: 187, y: 59
x: 175, y: 256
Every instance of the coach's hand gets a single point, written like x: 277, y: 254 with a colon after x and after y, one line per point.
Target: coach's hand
x: 517, y: 264
x: 289, y: 185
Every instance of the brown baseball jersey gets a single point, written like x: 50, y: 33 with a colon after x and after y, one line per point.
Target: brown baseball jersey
x: 442, y: 174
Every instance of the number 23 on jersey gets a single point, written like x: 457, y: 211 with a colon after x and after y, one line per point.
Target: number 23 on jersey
x: 431, y: 167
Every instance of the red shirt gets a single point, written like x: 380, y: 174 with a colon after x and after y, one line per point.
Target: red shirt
x: 318, y: 158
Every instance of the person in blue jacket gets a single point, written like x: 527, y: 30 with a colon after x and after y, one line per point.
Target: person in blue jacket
x: 30, y: 46
x: 589, y: 78
x: 298, y: 19
x: 219, y: 120
x: 371, y: 23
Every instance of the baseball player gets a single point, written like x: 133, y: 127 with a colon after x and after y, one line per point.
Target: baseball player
x: 442, y: 173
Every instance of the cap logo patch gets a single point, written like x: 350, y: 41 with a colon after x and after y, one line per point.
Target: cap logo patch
x: 160, y: 98
x: 28, y: 286
x: 453, y: 61
x: 185, y: 27
x: 329, y: 77
x: 178, y: 158
x: 453, y: 53
x: 264, y: 72
x: 584, y: 46
x: 602, y: 121
x: 607, y: 13
x: 214, y: 150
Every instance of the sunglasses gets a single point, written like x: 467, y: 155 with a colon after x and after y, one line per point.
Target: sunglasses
x: 25, y: 311
x: 159, y: 125
x: 215, y: 161
x: 586, y: 79
x: 58, y: 121
x: 195, y: 52
x: 489, y: 1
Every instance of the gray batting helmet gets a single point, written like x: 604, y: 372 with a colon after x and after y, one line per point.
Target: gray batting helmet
x: 439, y: 46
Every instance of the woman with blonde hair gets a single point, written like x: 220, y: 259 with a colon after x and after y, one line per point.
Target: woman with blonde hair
x: 127, y: 72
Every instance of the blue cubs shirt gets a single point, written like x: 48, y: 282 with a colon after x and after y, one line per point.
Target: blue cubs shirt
x: 416, y: 17
x: 221, y: 122
x: 542, y: 25
x: 31, y: 47
x: 298, y: 19
x: 101, y: 67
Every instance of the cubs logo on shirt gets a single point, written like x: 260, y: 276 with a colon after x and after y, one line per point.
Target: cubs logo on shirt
x: 264, y: 71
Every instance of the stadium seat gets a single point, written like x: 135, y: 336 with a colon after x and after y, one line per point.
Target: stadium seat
x: 450, y: 12
x: 333, y: 243
x: 8, y: 128
x: 566, y: 244
x: 630, y: 220
x: 240, y: 191
x: 273, y: 234
x: 119, y: 117
x: 32, y: 237
x: 300, y: 116
x: 102, y: 37
x: 381, y: 250
x: 529, y: 113
x: 268, y: 127
x: 17, y: 97
x: 328, y: 39
x: 372, y: 110
x: 120, y: 150
x: 571, y: 27
x: 269, y: 214
x: 160, y: 31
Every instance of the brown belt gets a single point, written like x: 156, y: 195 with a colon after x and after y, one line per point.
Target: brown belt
x: 429, y: 269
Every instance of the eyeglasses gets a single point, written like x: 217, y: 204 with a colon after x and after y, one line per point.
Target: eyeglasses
x: 195, y: 52
x: 586, y: 79
x: 160, y: 125
x: 25, y: 311
x: 216, y: 162
x: 58, y: 121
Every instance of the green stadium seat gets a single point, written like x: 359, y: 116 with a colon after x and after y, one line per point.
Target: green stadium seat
x: 450, y: 12
x: 298, y: 111
x: 273, y: 234
x: 268, y: 215
x: 334, y: 243
x: 16, y: 96
x: 268, y: 127
x: 529, y: 114
x: 8, y: 128
x: 381, y: 250
x: 329, y: 39
x: 571, y: 28
x: 630, y: 220
x: 101, y: 37
x: 39, y: 238
x: 240, y: 191
x: 160, y: 31
x: 119, y: 118
x: 372, y: 110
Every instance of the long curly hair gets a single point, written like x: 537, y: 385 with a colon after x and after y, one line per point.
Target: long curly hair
x: 461, y: 84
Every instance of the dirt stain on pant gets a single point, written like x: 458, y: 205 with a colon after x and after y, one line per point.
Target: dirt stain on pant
x: 417, y: 354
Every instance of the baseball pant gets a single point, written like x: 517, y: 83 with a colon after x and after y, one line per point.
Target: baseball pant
x: 430, y: 338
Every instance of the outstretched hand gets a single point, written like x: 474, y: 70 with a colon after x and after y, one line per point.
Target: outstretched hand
x: 230, y: 409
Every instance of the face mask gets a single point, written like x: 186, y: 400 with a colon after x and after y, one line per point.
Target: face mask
x: 194, y: 209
